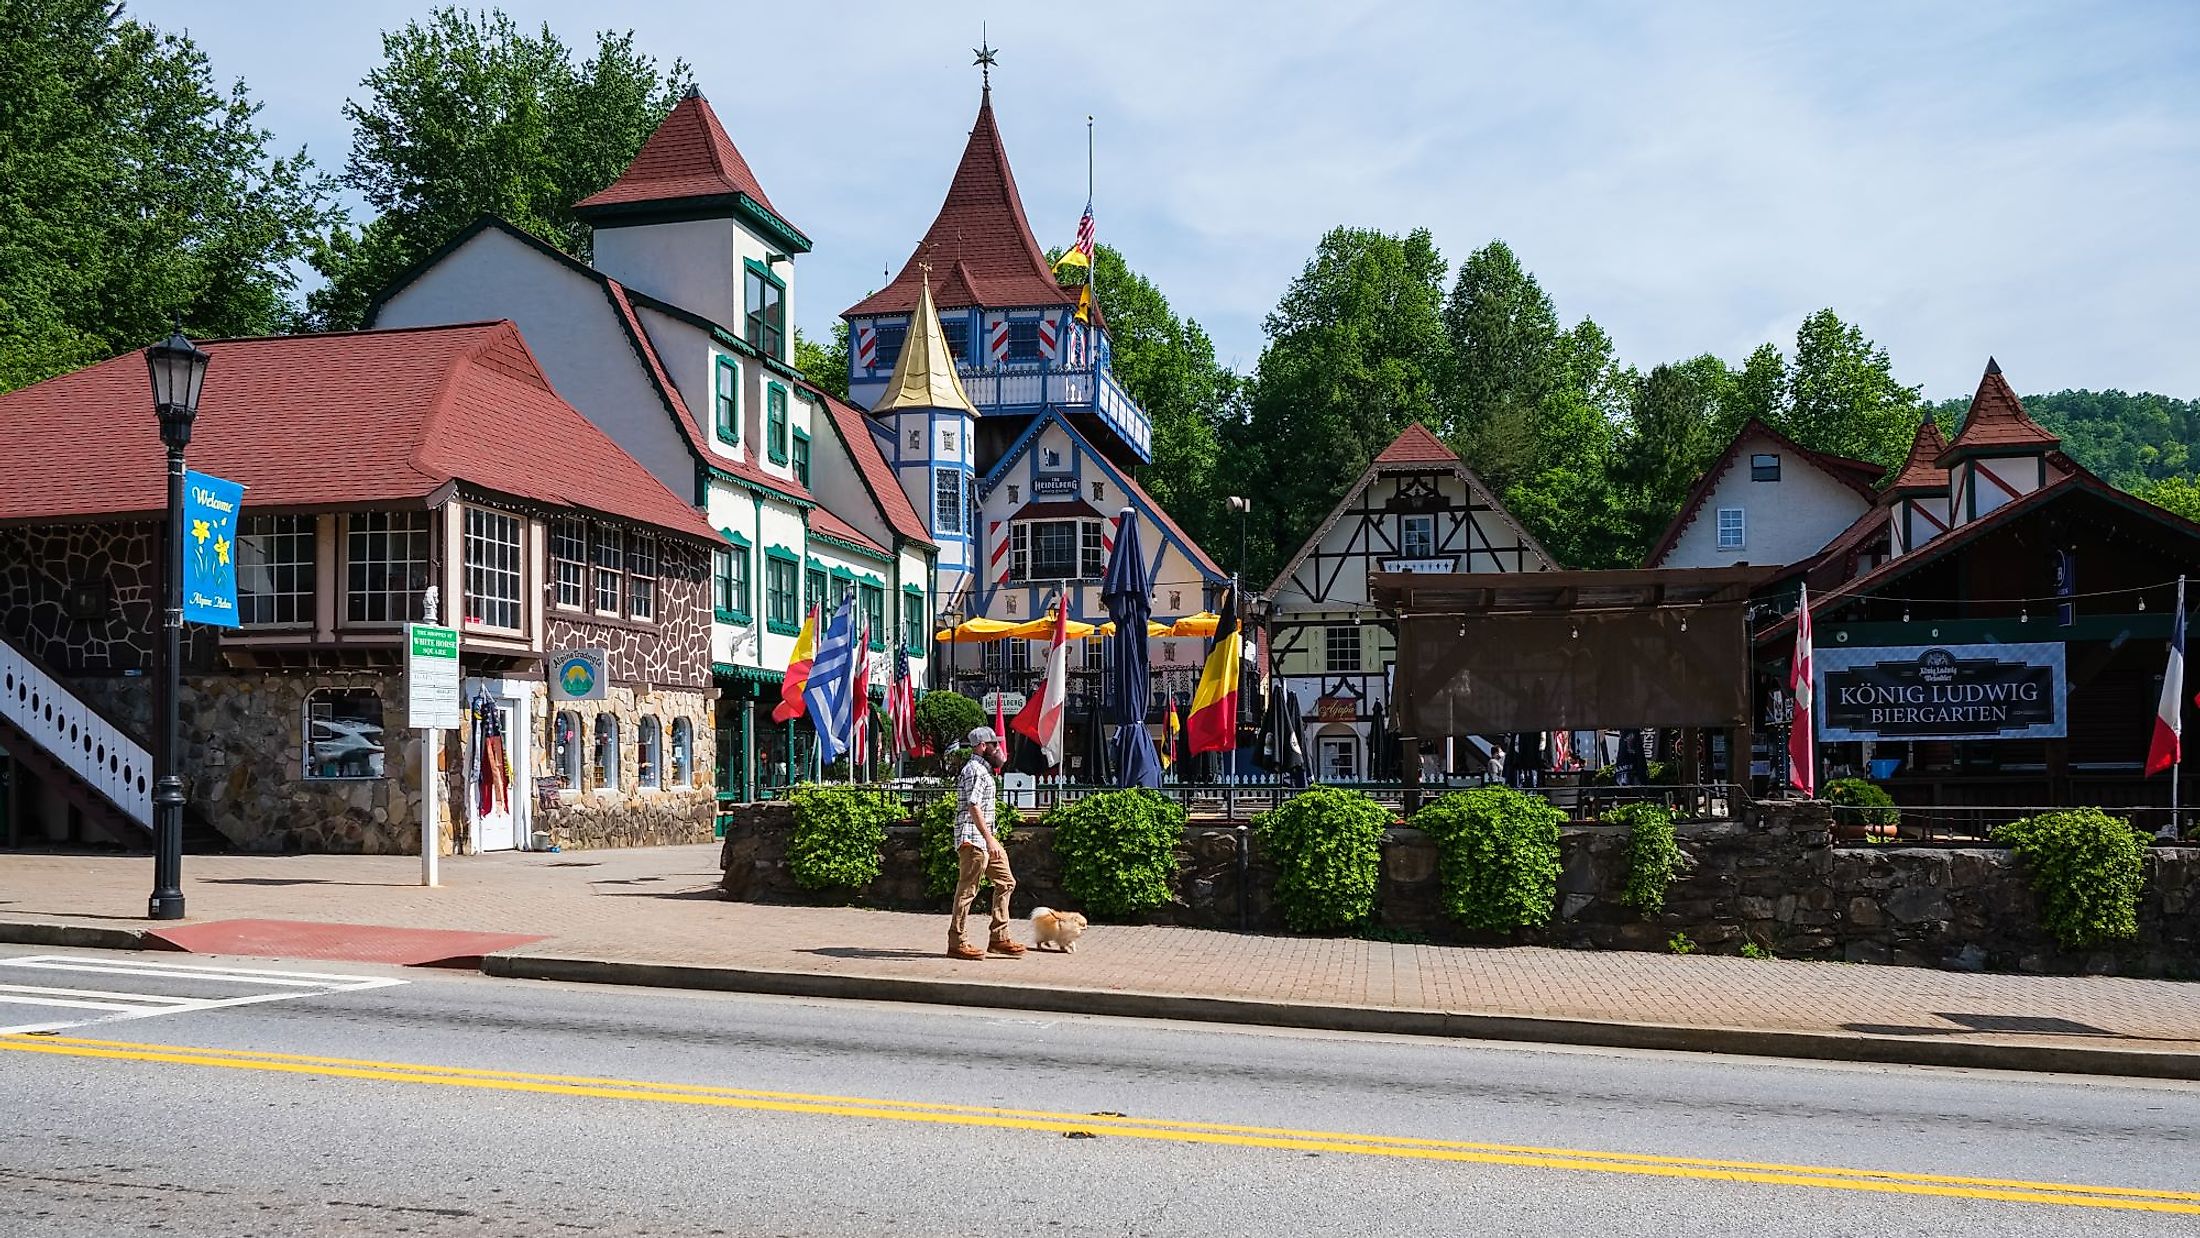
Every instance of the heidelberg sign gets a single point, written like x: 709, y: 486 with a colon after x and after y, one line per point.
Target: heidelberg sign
x: 1941, y: 692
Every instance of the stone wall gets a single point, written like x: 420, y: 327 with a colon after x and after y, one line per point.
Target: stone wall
x: 589, y: 813
x: 1777, y: 881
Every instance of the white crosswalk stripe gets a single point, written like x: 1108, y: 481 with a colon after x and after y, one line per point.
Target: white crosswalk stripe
x: 129, y: 988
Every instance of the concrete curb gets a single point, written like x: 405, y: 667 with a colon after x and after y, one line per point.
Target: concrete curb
x: 1758, y: 1042
x: 78, y: 936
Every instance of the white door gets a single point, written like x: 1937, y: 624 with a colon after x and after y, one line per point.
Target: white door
x: 502, y: 824
x: 1337, y: 759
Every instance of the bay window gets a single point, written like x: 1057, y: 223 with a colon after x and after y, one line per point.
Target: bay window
x: 569, y: 562
x: 492, y: 569
x: 275, y: 570
x: 641, y: 566
x: 386, y: 563
x: 610, y: 571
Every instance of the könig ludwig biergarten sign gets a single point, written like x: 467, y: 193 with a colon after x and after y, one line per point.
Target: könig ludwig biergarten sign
x: 1899, y: 692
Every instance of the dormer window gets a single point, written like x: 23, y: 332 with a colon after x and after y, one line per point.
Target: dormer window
x: 767, y: 311
x: 1764, y: 467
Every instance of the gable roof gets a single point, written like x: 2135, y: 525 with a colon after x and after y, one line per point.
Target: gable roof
x: 1128, y: 484
x: 623, y: 301
x: 823, y: 523
x: 980, y: 240
x: 1414, y: 449
x: 1415, y: 446
x: 854, y: 429
x: 687, y: 159
x: 924, y: 374
x: 1857, y: 475
x: 1997, y: 420
x: 315, y: 421
x: 1921, y: 471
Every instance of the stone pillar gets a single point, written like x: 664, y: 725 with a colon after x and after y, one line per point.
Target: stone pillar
x: 1410, y: 747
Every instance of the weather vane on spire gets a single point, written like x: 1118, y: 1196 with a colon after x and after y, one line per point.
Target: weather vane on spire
x: 985, y: 57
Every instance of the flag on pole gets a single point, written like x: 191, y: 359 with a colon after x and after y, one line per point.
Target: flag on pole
x: 1213, y: 724
x: 829, y: 691
x: 2169, y: 717
x: 1041, y: 718
x: 901, y: 709
x: 1802, y: 748
x: 860, y: 731
x: 1168, y: 742
x: 1084, y: 303
x: 798, y: 671
x: 1000, y: 721
x: 1079, y: 254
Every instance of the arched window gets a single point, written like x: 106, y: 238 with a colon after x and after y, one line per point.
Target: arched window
x: 649, y: 744
x: 607, y: 753
x: 565, y: 748
x: 683, y: 754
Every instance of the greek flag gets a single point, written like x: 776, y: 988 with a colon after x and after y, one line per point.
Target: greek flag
x: 830, y: 692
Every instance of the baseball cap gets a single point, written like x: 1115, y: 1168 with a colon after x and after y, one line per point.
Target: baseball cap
x: 981, y: 737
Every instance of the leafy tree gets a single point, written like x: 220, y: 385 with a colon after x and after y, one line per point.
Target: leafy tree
x: 1760, y: 390
x: 1680, y: 418
x: 824, y: 364
x: 134, y: 193
x: 467, y: 115
x: 2180, y: 495
x: 2130, y: 440
x: 1356, y: 351
x: 1842, y: 395
x: 1505, y: 343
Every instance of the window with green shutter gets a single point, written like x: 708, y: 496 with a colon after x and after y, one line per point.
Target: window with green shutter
x: 775, y: 426
x: 726, y: 401
x: 802, y: 457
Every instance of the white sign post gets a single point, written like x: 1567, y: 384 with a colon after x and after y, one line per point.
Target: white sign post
x: 431, y: 704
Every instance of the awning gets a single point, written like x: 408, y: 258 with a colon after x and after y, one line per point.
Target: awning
x: 979, y: 630
x: 1152, y: 629
x: 1042, y: 628
x: 1201, y: 624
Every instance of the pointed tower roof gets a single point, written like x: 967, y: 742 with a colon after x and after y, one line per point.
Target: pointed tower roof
x: 924, y: 375
x: 980, y: 238
x: 1997, y: 422
x: 1921, y: 472
x: 690, y: 161
x: 1416, y: 445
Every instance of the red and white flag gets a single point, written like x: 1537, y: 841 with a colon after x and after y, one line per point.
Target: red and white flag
x: 861, y: 732
x: 2169, y: 717
x: 1802, y: 744
x: 1042, y: 716
x: 901, y: 708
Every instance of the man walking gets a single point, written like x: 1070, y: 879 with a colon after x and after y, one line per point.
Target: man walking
x: 979, y: 851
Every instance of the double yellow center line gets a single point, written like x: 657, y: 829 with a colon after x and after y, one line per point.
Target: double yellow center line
x: 1886, y: 1182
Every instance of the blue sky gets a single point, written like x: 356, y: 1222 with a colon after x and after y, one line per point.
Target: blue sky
x: 2021, y: 179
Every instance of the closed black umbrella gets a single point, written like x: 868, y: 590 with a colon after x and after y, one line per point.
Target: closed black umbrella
x: 1125, y: 593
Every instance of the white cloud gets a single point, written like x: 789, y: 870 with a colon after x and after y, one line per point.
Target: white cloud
x: 1959, y: 179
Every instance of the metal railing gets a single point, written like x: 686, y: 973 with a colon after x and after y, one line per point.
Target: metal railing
x: 1975, y: 823
x: 1256, y: 794
x: 73, y: 733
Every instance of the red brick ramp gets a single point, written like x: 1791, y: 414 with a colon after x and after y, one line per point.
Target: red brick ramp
x: 351, y: 943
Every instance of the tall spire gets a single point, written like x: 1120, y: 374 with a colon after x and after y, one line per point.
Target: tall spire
x: 924, y: 375
x: 1997, y: 422
x: 688, y: 159
x: 1921, y: 472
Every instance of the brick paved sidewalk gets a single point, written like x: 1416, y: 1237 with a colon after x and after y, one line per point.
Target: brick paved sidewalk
x: 660, y: 906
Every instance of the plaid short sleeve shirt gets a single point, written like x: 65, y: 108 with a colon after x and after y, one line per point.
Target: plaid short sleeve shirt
x: 974, y: 785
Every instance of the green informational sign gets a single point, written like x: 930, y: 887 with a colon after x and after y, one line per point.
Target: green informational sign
x: 431, y: 676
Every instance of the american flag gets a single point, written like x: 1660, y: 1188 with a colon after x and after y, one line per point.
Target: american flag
x: 1084, y: 235
x: 901, y: 707
x: 860, y: 732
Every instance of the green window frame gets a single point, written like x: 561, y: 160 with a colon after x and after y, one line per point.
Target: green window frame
x: 730, y: 579
x: 915, y: 623
x: 726, y: 401
x: 775, y: 413
x: 801, y: 456
x: 813, y: 586
x: 871, y: 603
x: 764, y: 310
x: 781, y: 571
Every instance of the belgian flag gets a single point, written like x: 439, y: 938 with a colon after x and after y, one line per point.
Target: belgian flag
x: 1212, y: 726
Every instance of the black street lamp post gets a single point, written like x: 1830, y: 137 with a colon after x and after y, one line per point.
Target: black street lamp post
x: 178, y: 370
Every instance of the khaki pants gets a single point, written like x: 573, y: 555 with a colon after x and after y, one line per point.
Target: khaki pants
x: 975, y: 865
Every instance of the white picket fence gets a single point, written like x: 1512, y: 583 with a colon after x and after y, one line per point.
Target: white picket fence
x: 70, y: 731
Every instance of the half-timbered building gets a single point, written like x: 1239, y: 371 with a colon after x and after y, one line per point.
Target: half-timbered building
x: 1417, y: 508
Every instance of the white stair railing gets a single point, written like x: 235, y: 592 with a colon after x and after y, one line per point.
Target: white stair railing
x: 74, y: 734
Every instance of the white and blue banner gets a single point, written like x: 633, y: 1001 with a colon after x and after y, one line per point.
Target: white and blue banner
x: 1941, y: 692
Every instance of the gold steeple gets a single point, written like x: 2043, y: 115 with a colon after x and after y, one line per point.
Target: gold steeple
x: 924, y: 374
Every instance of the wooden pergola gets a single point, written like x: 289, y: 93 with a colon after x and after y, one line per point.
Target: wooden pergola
x: 1502, y: 652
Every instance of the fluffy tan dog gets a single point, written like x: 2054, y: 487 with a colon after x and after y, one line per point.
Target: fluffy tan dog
x: 1058, y: 930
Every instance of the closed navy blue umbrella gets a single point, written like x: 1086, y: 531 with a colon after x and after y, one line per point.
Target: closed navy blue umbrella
x: 1125, y: 593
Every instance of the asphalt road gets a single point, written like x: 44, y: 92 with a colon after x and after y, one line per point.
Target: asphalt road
x: 454, y: 1104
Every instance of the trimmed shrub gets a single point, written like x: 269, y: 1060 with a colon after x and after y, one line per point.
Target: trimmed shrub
x: 2086, y: 870
x: 1497, y: 856
x: 1861, y: 805
x: 936, y: 841
x: 1118, y: 849
x: 838, y: 835
x: 947, y: 718
x: 1652, y: 855
x: 1327, y: 846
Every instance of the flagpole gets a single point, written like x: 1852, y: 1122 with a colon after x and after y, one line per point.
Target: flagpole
x: 1088, y: 159
x: 2176, y: 765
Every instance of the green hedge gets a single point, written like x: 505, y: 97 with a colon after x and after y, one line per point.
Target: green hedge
x: 1860, y: 803
x: 1653, y: 857
x: 1118, y: 850
x: 2086, y: 869
x: 839, y: 833
x: 1497, y: 856
x: 1326, y: 843
x: 936, y: 841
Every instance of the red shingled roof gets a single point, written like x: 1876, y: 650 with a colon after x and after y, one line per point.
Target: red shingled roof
x: 308, y: 421
x: 1997, y: 419
x: 878, y: 476
x: 689, y: 156
x: 980, y: 245
x: 1857, y: 475
x: 826, y: 524
x: 1416, y: 446
x: 1921, y: 472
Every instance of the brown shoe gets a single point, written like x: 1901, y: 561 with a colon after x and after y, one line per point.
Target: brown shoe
x: 965, y: 952
x: 1014, y: 950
